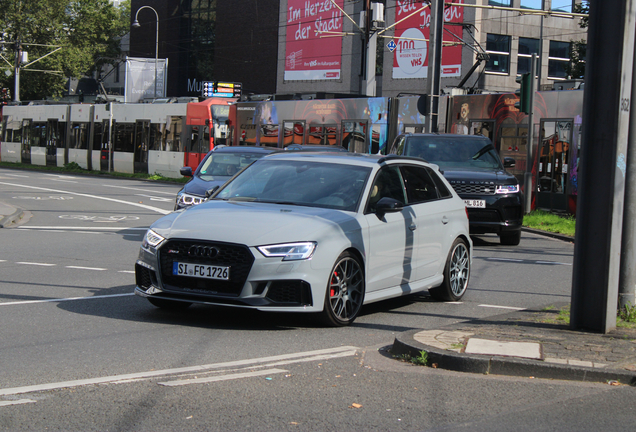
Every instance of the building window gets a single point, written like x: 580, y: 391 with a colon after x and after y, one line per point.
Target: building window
x: 527, y: 47
x: 559, y: 60
x: 532, y: 4
x: 562, y: 5
x: 498, y: 49
x: 505, y: 3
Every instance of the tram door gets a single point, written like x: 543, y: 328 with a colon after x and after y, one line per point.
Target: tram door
x: 53, y: 141
x: 142, y: 138
x: 25, y: 152
x: 554, y: 152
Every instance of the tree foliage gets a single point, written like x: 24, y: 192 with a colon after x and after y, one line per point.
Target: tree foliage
x: 88, y: 32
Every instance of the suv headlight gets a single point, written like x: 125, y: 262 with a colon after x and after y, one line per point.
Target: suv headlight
x: 505, y: 189
x: 289, y: 251
x: 187, y: 200
x: 151, y: 241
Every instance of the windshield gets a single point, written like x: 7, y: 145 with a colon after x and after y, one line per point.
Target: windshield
x: 220, y: 113
x: 450, y: 152
x: 225, y: 165
x: 313, y: 184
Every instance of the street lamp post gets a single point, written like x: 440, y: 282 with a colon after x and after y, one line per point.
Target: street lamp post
x: 136, y: 24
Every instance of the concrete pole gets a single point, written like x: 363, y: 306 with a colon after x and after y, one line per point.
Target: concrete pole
x: 527, y: 177
x: 16, y: 71
x: 627, y: 283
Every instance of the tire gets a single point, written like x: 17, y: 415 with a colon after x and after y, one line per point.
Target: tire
x: 510, y: 239
x: 456, y: 274
x: 169, y: 304
x: 345, y: 291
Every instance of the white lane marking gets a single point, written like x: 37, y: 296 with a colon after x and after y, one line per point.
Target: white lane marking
x: 60, y: 176
x: 505, y: 259
x: 502, y: 307
x: 221, y: 378
x: 86, y: 268
x: 3, y: 260
x: 163, y: 372
x: 36, y: 264
x: 15, y: 175
x: 553, y: 262
x: 60, y: 180
x: 99, y: 228
x: 144, y: 206
x: 454, y: 302
x: 154, y: 198
x: 145, y: 190
x: 64, y: 299
x: 16, y: 402
x: 126, y: 271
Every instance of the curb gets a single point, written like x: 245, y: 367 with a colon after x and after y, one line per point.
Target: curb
x: 405, y: 344
x: 5, y: 221
x: 549, y: 234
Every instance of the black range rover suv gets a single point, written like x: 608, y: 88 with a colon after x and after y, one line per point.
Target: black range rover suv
x: 472, y: 166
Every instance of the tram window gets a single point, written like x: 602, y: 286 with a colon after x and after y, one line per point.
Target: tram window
x: 376, y: 137
x: 269, y: 135
x: 17, y: 132
x: 315, y: 135
x: 97, y: 136
x: 193, y: 141
x: 354, y: 136
x: 294, y: 132
x: 123, y: 134
x: 79, y: 136
x: 173, y: 135
x: 38, y: 134
x: 155, y: 136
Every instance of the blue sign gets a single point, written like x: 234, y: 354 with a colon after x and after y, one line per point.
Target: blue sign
x: 391, y: 46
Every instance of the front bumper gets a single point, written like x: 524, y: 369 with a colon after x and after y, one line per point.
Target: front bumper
x: 503, y: 214
x: 256, y: 282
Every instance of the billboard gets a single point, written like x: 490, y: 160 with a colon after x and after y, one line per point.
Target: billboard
x: 307, y: 55
x: 140, y: 78
x: 410, y: 57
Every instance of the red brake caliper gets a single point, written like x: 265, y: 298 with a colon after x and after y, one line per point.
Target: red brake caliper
x: 334, y: 279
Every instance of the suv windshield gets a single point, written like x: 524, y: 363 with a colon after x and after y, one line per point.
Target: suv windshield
x: 450, y: 152
x: 313, y: 184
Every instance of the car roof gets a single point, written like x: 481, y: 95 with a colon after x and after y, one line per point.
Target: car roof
x: 244, y: 149
x: 360, y: 159
x: 316, y: 147
x: 445, y: 135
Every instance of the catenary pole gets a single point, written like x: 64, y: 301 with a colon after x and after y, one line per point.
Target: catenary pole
x: 434, y: 63
x: 527, y: 176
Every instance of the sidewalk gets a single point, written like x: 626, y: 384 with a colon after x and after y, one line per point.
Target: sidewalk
x: 529, y: 343
x: 9, y: 214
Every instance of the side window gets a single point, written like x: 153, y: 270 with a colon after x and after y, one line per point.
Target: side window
x: 442, y: 190
x: 388, y: 183
x: 399, y: 148
x: 420, y: 187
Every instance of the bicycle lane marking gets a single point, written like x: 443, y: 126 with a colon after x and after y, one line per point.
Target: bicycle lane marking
x: 144, y: 206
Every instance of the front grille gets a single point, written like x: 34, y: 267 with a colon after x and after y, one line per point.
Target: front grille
x: 473, y: 189
x: 290, y: 292
x: 237, y: 257
x: 143, y: 277
x: 483, y: 215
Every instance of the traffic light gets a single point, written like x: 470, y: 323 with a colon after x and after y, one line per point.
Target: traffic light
x: 524, y: 93
x: 6, y: 96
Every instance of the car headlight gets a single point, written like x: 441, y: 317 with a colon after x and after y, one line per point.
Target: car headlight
x: 289, y: 251
x: 187, y: 200
x: 505, y: 189
x: 151, y: 240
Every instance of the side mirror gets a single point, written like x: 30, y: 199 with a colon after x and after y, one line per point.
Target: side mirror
x: 509, y: 162
x: 186, y: 171
x: 388, y: 205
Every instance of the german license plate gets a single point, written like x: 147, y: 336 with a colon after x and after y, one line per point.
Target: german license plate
x: 475, y: 203
x: 201, y: 271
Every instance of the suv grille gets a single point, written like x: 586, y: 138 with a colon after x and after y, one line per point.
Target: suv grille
x: 473, y: 189
x: 237, y: 257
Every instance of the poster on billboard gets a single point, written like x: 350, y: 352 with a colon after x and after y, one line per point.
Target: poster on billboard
x: 410, y: 57
x: 308, y: 56
x: 140, y: 78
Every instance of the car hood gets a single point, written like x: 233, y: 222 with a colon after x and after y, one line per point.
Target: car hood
x: 198, y: 187
x: 253, y: 223
x: 497, y: 176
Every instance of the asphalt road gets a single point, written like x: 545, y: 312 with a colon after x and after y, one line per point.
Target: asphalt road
x: 79, y: 352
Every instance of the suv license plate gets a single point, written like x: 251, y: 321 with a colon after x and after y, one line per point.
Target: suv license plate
x: 475, y: 203
x: 200, y: 271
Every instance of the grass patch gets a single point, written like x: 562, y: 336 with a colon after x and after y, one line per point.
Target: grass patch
x: 74, y: 168
x: 546, y: 221
x: 626, y: 317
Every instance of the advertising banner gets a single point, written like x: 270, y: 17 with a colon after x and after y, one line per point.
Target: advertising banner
x: 140, y: 78
x: 308, y: 56
x: 410, y: 57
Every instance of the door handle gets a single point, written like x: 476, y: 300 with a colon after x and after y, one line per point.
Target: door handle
x: 444, y: 220
x: 412, y: 227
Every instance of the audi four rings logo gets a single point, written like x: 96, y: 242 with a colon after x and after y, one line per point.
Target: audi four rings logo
x: 203, y: 251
